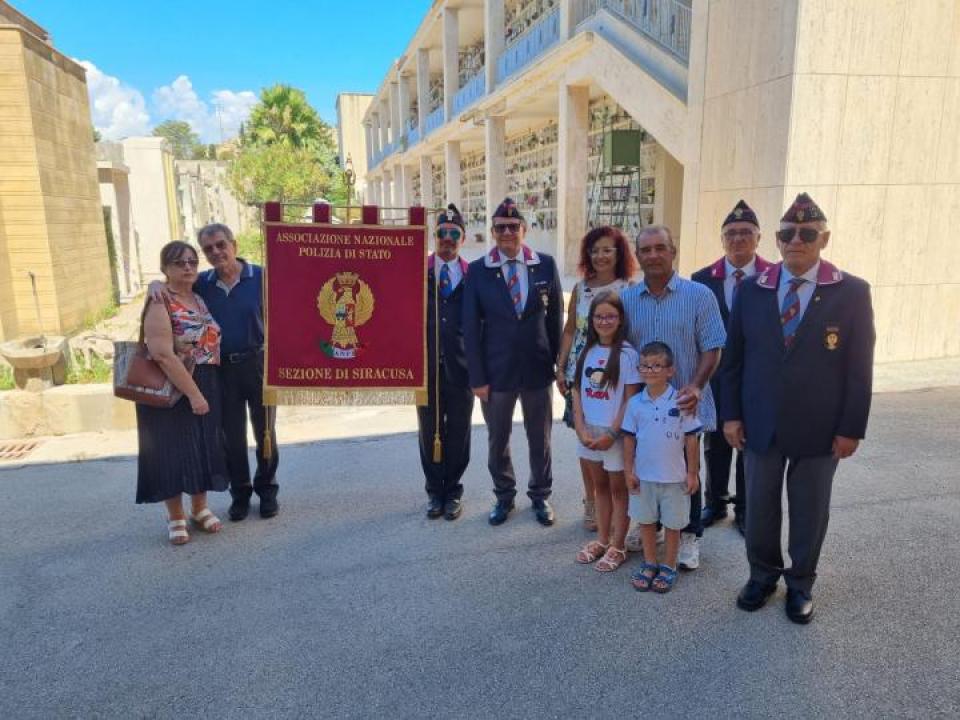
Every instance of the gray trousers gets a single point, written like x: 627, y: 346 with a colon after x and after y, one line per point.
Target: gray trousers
x: 537, y: 408
x: 809, y: 482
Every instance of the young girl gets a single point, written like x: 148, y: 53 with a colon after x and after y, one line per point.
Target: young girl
x: 607, y: 377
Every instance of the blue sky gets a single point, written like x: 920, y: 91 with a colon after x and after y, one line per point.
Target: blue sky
x: 151, y: 61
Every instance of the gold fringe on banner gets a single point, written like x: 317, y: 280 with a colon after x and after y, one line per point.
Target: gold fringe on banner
x: 281, y: 396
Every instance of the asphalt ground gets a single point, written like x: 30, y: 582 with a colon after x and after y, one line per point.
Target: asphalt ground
x: 352, y: 604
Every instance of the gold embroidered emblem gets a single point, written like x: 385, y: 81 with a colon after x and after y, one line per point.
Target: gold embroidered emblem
x: 799, y: 215
x: 346, y: 302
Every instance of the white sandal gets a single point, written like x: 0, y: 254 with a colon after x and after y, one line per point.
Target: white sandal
x: 207, y: 521
x: 177, y: 531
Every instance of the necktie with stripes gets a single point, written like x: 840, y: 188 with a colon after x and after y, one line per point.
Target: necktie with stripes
x: 446, y: 287
x: 790, y: 311
x: 513, y: 285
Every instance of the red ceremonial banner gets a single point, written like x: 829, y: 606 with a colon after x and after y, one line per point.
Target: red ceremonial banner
x: 345, y: 309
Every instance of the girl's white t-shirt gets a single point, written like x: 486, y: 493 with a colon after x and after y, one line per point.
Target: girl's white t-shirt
x: 600, y: 402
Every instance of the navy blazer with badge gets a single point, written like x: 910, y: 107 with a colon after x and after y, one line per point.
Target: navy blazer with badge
x: 504, y: 351
x: 454, y: 363
x: 798, y: 398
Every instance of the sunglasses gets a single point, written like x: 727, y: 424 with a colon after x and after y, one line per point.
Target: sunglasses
x: 219, y: 245
x: 450, y: 233
x: 184, y: 264
x: 807, y: 235
x: 501, y: 228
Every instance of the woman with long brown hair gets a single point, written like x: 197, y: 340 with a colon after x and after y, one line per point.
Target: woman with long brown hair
x: 606, y: 264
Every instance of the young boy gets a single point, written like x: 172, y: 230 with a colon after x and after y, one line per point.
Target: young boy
x: 661, y: 459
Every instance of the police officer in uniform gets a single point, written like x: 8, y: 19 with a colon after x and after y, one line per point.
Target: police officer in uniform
x: 740, y: 235
x: 797, y: 380
x: 444, y: 423
x: 512, y: 322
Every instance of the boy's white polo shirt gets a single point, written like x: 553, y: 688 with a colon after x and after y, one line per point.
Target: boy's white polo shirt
x: 659, y: 429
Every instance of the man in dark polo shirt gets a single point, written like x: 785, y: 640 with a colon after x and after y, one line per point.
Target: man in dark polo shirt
x: 233, y: 291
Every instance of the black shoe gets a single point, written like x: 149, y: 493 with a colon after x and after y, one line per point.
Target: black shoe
x: 710, y: 515
x: 754, y: 596
x: 435, y: 507
x: 269, y: 507
x: 498, y: 516
x: 799, y: 606
x: 740, y: 521
x: 239, y: 509
x: 453, y: 508
x: 544, y: 512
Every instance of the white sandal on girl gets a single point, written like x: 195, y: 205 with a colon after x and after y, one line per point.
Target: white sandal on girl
x: 207, y: 521
x: 177, y: 532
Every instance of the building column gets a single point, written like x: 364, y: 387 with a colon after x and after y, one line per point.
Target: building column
x: 572, y: 171
x: 395, y: 112
x: 377, y: 134
x: 451, y: 60
x: 384, y: 124
x: 373, y: 185
x: 566, y: 20
x: 668, y: 192
x: 403, y: 179
x: 423, y: 87
x: 426, y: 182
x: 386, y: 195
x: 494, y: 25
x: 368, y: 136
x: 404, y: 97
x: 495, y: 136
x: 451, y: 155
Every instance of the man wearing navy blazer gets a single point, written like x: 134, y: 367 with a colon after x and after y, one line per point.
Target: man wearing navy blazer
x: 444, y: 422
x: 797, y: 381
x: 512, y: 322
x: 740, y: 235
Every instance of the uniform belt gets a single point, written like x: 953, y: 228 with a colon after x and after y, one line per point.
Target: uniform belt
x: 239, y: 357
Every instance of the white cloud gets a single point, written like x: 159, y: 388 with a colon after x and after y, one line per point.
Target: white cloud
x: 118, y: 110
x: 179, y: 101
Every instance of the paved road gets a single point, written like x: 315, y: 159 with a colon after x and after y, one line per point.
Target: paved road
x: 351, y: 604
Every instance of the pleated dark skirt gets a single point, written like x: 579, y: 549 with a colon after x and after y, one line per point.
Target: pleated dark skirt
x: 181, y: 452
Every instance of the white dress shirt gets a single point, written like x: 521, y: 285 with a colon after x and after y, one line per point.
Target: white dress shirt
x: 804, y: 292
x: 730, y: 282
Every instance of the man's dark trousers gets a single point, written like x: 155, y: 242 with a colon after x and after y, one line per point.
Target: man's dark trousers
x: 718, y: 455
x: 537, y: 408
x: 242, y: 382
x: 456, y: 410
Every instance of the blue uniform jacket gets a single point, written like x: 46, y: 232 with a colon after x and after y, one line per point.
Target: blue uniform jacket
x: 453, y: 355
x: 798, y: 399
x: 504, y: 351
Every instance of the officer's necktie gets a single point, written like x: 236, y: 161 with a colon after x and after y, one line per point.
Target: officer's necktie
x: 446, y: 287
x: 737, y: 278
x: 790, y: 311
x: 513, y: 285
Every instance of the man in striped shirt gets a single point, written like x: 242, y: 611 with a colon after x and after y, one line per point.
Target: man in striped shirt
x: 684, y: 315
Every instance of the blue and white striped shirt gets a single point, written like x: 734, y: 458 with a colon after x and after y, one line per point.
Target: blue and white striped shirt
x: 687, y: 318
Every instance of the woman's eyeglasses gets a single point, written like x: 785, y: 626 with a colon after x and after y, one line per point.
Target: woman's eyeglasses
x: 606, y: 319
x: 184, y: 264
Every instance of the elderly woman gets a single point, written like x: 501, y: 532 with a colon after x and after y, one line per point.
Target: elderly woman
x: 181, y: 448
x: 606, y: 264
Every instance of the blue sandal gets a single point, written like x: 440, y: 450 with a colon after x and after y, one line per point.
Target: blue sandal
x: 667, y: 576
x: 642, y: 582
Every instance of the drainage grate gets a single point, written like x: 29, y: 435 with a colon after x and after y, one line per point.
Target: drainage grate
x: 17, y: 450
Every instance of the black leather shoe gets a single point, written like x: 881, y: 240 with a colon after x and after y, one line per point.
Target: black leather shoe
x: 498, y: 516
x: 799, y: 606
x: 710, y: 515
x: 544, y: 512
x: 239, y: 509
x: 435, y: 507
x: 741, y: 522
x: 452, y: 508
x: 269, y: 507
x: 754, y: 596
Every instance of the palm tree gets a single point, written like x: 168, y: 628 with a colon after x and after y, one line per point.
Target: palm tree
x: 284, y: 116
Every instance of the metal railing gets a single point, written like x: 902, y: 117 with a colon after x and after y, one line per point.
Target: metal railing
x: 666, y: 22
x: 472, y: 90
x: 413, y: 134
x: 537, y: 39
x: 433, y: 121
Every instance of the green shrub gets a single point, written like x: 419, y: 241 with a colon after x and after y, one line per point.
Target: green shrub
x: 250, y: 246
x: 100, y: 371
x: 6, y: 377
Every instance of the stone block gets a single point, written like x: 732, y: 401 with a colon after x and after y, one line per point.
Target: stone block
x: 897, y: 317
x: 867, y: 128
x: 816, y: 123
x: 876, y: 40
x: 906, y: 223
x: 928, y: 38
x: 948, y: 150
x: 916, y: 129
x: 824, y: 29
x: 857, y: 229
